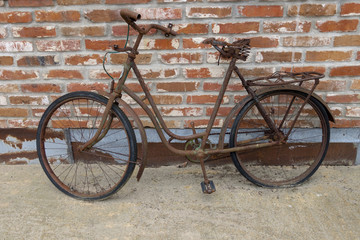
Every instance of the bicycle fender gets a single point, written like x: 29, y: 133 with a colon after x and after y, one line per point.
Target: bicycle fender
x: 140, y: 126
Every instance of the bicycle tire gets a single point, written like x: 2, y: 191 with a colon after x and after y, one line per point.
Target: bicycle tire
x: 93, y: 174
x: 286, y: 164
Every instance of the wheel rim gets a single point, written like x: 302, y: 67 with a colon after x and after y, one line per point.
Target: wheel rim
x: 293, y: 161
x: 94, y: 173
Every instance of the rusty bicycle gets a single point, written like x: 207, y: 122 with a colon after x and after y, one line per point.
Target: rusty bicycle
x: 88, y: 149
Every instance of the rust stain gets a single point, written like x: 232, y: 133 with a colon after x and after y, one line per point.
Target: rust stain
x: 10, y: 158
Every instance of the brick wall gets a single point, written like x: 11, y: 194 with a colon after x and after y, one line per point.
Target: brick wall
x: 51, y: 47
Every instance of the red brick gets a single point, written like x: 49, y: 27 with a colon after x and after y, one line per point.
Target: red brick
x: 355, y: 84
x: 101, y: 75
x: 72, y: 87
x: 122, y: 30
x: 352, y: 112
x: 347, y: 40
x: 158, y: 73
x: 33, y: 32
x: 261, y: 11
x: 15, y: 17
x: 212, y: 86
x: 18, y: 75
x: 93, y: 59
x: 346, y: 25
x: 62, y: 16
x: 329, y: 85
x: 196, y: 42
x: 126, y: 1
x: 304, y: 69
x: 180, y: 58
x: 45, y: 87
x: 29, y: 100
x: 30, y: 3
x: 140, y: 59
x: 235, y: 28
x: 264, y: 42
x: 37, y: 61
x: 191, y: 28
x: 13, y: 112
x: 177, y: 86
x: 272, y: 56
x: 306, y: 41
x: 343, y: 98
x: 202, y: 123
x: 16, y: 46
x: 58, y: 45
x: 223, y: 111
x: 63, y: 74
x: 77, y: 2
x: 23, y: 123
x: 159, y: 44
x: 286, y: 27
x: 102, y: 45
x: 215, y: 72
x: 159, y: 13
x: 345, y: 71
x: 6, y: 60
x: 256, y: 72
x: 317, y: 10
x: 345, y: 123
x: 3, y: 32
x: 322, y: 56
x: 205, y: 99
x: 166, y: 99
x: 350, y: 9
x: 94, y: 31
x: 175, y: 1
x: 103, y: 15
x: 208, y: 12
x: 9, y: 88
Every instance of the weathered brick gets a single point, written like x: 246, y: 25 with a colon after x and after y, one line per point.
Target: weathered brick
x: 214, y: 86
x: 306, y: 41
x: 202, y: 123
x: 350, y: 9
x: 215, y: 72
x: 61, y: 16
x: 159, y: 13
x: 9, y: 88
x: 72, y: 87
x: 328, y: 85
x: 16, y: 46
x: 347, y: 40
x: 126, y: 1
x: 205, y: 99
x: 44, y: 87
x: 256, y: 72
x: 58, y: 45
x: 144, y: 58
x: 181, y: 111
x: 358, y: 55
x: 18, y: 75
x: 6, y: 60
x: 235, y: 28
x: 159, y: 44
x: 103, y: 15
x: 196, y: 42
x: 346, y: 25
x: 13, y: 112
x: 355, y: 84
x: 101, y: 75
x: 29, y: 100
x: 352, y: 112
x: 102, y: 45
x: 264, y: 42
x: 223, y: 111
x: 208, y: 12
x: 15, y: 17
x: 345, y: 71
x: 34, y: 32
x: 314, y: 10
x: 177, y: 86
x: 37, y: 61
x: 3, y: 32
x: 158, y: 73
x: 180, y: 58
x: 32, y: 3
x: 191, y: 28
x: 63, y: 74
x: 175, y: 1
x: 94, y: 31
x: 322, y: 56
x: 304, y: 69
x: 286, y: 27
x: 86, y: 60
x: 166, y: 99
x: 261, y: 11
x: 77, y: 2
x: 272, y: 56
x: 342, y: 98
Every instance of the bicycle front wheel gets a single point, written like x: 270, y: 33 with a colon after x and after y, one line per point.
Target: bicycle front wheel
x: 292, y: 161
x: 93, y: 174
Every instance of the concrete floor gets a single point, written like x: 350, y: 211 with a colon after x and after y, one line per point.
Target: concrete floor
x: 168, y: 204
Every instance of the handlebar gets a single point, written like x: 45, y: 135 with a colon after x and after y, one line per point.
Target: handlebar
x: 131, y: 17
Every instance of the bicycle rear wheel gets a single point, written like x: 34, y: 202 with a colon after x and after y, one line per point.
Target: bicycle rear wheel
x: 93, y: 174
x: 288, y: 163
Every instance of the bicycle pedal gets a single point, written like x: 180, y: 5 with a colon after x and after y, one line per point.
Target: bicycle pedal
x: 208, y: 188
